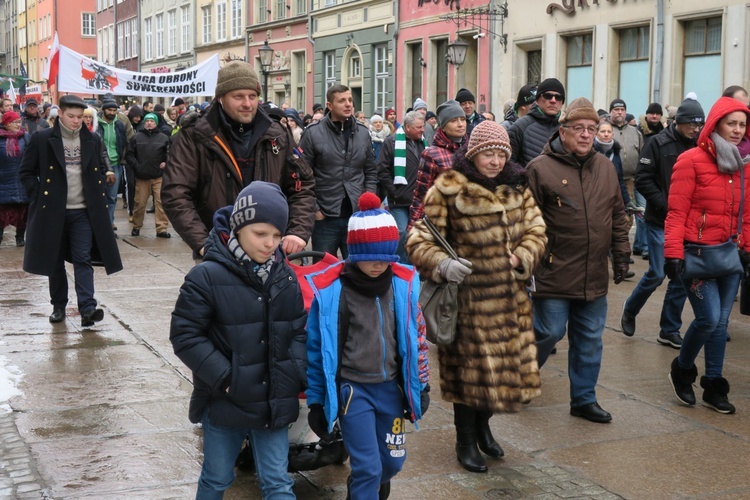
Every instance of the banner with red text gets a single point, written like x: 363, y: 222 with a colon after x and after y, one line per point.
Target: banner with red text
x: 83, y: 75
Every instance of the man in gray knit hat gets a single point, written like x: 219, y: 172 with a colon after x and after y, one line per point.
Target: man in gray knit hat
x: 219, y: 153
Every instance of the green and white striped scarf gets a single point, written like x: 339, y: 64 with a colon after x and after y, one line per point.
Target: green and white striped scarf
x: 399, y: 156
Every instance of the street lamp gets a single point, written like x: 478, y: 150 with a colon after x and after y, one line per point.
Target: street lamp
x: 457, y: 52
x: 266, y: 56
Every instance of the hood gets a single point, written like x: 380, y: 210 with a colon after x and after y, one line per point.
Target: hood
x: 722, y: 107
x: 216, y: 244
x: 134, y: 111
x: 511, y: 115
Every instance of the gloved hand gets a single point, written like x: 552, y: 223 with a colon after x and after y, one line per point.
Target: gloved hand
x: 620, y: 271
x: 424, y: 398
x: 454, y: 270
x: 318, y: 423
x: 745, y: 259
x: 673, y: 267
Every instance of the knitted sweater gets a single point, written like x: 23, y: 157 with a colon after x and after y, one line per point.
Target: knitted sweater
x: 73, y: 172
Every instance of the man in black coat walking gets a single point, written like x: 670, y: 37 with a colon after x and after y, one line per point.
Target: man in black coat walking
x: 64, y: 171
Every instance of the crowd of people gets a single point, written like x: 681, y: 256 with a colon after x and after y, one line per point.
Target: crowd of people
x: 537, y: 206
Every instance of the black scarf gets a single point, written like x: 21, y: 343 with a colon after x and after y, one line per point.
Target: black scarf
x: 352, y: 276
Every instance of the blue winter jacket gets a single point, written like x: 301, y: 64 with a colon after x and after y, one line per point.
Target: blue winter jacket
x: 11, y: 189
x: 323, y: 337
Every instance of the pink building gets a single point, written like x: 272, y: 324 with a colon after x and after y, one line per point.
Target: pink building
x: 423, y: 68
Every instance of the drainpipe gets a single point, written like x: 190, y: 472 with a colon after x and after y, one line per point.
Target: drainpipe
x: 396, y: 6
x: 491, y: 43
x: 312, y: 51
x: 659, y: 49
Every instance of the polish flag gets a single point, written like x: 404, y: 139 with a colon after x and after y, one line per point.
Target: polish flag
x: 53, y: 63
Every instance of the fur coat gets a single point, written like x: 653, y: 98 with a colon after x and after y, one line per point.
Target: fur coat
x: 492, y: 365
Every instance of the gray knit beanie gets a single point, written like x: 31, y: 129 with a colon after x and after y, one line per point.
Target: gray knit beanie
x: 236, y: 75
x: 448, y: 111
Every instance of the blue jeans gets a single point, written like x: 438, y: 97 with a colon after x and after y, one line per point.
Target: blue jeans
x: 712, y: 302
x: 674, y: 299
x: 401, y: 215
x: 372, y: 426
x: 640, y: 242
x: 112, y: 192
x: 585, y: 324
x: 221, y: 445
x: 329, y: 235
x: 78, y: 237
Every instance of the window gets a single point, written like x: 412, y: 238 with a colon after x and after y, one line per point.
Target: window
x: 439, y: 49
x: 221, y: 21
x: 206, y: 11
x: 330, y: 70
x: 534, y: 67
x: 579, y: 67
x: 134, y: 37
x: 126, y: 45
x: 120, y: 47
x: 330, y: 3
x: 634, y: 67
x: 88, y: 24
x: 159, y: 35
x: 301, y: 7
x: 299, y: 73
x: 702, y: 59
x: 172, y: 32
x: 148, y: 41
x: 236, y: 19
x: 381, y: 79
x: 355, y: 67
x: 280, y: 9
x: 415, y: 50
x: 185, y: 25
x: 262, y: 11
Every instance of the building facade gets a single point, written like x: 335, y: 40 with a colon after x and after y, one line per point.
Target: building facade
x: 640, y: 51
x: 9, y: 37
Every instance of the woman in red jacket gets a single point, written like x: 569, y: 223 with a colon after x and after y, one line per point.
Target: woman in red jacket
x: 704, y: 208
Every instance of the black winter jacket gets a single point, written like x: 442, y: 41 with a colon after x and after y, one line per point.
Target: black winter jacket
x: 235, y: 332
x: 530, y: 133
x: 147, y: 150
x: 654, y: 173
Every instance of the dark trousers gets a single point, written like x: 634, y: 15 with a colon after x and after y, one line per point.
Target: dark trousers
x: 78, y: 237
x: 130, y: 184
x: 329, y: 235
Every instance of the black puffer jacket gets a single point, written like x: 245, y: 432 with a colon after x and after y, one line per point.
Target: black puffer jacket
x: 654, y: 173
x: 530, y: 133
x: 148, y: 149
x: 234, y: 332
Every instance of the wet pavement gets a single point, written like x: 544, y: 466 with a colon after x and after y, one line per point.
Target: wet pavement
x: 103, y: 412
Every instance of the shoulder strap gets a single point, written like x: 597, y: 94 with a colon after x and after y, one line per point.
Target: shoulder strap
x: 439, y: 237
x: 742, y: 201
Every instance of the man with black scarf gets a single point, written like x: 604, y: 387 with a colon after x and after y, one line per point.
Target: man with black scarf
x: 339, y: 150
x: 232, y: 144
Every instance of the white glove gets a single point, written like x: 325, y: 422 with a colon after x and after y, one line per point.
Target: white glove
x: 454, y: 270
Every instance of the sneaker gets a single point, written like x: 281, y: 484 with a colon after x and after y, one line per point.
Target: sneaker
x: 670, y: 339
x: 627, y: 322
x: 682, y: 382
x: 715, y: 395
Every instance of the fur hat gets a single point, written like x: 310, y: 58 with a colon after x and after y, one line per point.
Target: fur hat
x: 550, y: 84
x: 448, y: 111
x: 464, y: 95
x: 10, y: 116
x: 690, y: 111
x: 488, y: 135
x: 654, y: 109
x: 580, y: 109
x: 617, y: 103
x: 372, y: 232
x: 89, y: 111
x: 236, y: 75
x: 257, y: 203
x: 419, y: 104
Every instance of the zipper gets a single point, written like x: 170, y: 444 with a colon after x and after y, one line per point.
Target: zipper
x: 702, y: 225
x: 407, y: 337
x: 382, y: 335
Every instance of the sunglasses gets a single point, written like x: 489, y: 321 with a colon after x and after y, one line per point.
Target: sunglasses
x: 549, y: 96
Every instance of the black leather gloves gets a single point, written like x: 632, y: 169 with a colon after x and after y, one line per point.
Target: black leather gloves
x: 673, y: 267
x: 620, y: 271
x: 318, y: 423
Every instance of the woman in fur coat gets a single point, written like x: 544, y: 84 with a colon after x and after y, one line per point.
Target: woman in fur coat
x: 486, y: 212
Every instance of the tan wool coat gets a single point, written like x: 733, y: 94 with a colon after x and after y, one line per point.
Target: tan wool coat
x: 492, y: 365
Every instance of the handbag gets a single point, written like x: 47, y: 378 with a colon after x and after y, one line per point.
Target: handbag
x: 439, y: 301
x: 716, y: 261
x: 745, y: 297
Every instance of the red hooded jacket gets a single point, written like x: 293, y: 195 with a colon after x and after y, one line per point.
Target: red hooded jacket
x: 703, y: 202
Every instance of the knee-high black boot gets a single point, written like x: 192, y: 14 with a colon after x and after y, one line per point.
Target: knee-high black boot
x: 486, y: 442
x: 467, y: 452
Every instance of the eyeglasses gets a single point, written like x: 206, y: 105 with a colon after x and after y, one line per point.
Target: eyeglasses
x: 578, y: 129
x: 549, y: 96
x: 696, y: 126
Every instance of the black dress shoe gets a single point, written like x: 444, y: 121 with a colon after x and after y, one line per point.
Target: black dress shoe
x: 88, y: 319
x: 58, y: 315
x: 591, y: 412
x: 151, y: 210
x: 163, y: 235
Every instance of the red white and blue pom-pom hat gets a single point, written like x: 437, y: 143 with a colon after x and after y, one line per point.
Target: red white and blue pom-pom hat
x: 372, y: 232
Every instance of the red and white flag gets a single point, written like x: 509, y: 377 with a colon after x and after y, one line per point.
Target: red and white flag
x: 53, y: 63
